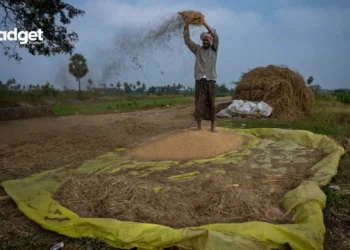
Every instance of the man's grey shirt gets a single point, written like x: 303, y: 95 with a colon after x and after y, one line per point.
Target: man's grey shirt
x: 205, y: 58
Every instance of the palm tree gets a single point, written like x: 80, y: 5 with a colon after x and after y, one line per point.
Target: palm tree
x: 119, y: 85
x: 78, y: 67
x: 90, y: 84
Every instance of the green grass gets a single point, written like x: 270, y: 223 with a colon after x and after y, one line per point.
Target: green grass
x: 327, y: 117
x: 109, y: 107
x: 337, y: 212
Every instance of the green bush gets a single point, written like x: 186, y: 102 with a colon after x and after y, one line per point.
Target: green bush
x: 325, y: 97
x: 343, y: 97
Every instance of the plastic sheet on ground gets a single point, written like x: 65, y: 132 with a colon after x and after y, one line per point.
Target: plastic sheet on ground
x: 246, y: 108
x: 33, y: 196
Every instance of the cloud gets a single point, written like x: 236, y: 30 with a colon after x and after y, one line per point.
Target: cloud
x: 116, y: 14
x: 330, y: 19
x: 124, y: 18
x: 308, y: 39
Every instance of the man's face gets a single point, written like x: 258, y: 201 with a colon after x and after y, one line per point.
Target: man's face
x: 206, y: 42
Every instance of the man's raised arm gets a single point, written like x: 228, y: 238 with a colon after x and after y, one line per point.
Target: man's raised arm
x: 190, y: 44
x: 214, y: 35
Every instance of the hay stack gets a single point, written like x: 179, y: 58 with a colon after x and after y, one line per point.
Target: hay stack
x: 278, y: 86
x: 192, y: 17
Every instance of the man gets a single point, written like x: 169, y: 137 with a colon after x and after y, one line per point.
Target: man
x: 205, y: 74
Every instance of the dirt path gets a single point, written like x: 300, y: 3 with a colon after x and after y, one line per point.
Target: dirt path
x: 12, y: 130
x: 34, y: 145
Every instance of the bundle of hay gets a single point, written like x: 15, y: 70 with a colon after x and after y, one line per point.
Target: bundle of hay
x: 192, y: 17
x: 283, y: 89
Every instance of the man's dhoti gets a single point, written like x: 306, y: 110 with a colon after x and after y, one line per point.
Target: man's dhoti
x: 204, y: 100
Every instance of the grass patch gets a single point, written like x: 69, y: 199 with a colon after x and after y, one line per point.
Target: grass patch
x: 108, y: 107
x: 337, y: 212
x: 327, y: 117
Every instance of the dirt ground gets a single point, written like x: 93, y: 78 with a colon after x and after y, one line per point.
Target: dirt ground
x: 34, y: 145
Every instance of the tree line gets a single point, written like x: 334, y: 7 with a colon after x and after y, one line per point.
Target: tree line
x: 117, y: 87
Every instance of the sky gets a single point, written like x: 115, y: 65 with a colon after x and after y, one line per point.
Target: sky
x: 309, y: 36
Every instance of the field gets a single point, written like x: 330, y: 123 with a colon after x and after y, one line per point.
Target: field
x: 98, y: 108
x: 75, y: 135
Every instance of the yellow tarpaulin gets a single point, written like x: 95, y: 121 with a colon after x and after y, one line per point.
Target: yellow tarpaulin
x: 33, y: 196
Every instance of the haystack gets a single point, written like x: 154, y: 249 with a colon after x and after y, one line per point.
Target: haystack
x: 192, y: 17
x: 283, y: 89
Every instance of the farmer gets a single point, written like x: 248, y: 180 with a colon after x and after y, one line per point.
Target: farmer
x: 205, y: 74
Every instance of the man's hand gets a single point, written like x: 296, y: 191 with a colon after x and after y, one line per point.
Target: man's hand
x: 210, y: 29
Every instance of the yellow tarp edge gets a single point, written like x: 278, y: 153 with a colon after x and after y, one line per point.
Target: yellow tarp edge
x: 307, y: 200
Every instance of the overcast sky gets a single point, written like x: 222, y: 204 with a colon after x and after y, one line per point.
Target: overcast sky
x: 309, y: 36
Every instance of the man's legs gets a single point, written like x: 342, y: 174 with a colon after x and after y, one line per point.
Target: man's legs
x: 212, y: 102
x: 213, y: 129
x: 199, y: 125
x: 198, y: 104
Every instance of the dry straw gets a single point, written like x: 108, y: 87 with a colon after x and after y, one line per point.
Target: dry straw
x: 224, y: 193
x: 218, y: 199
x: 192, y: 17
x: 280, y: 87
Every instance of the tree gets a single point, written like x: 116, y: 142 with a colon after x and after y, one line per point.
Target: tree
x: 118, y: 85
x: 49, y: 16
x: 316, y: 88
x: 90, y: 84
x: 223, y: 89
x: 310, y: 80
x: 78, y: 67
x: 10, y: 82
x: 138, y: 83
x: 152, y: 90
x: 112, y: 85
x: 127, y: 87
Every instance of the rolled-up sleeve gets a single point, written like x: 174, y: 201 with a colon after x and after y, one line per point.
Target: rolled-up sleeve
x: 215, y: 40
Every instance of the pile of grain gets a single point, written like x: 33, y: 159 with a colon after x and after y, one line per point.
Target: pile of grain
x: 283, y: 89
x: 186, y: 145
